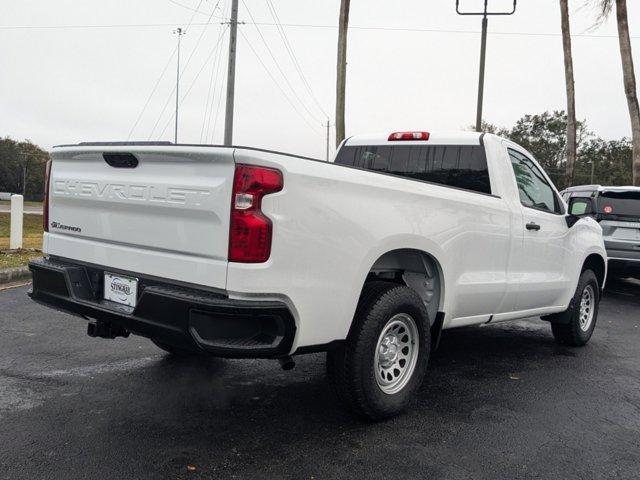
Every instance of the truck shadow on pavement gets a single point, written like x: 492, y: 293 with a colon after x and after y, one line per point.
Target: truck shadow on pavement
x: 509, y: 385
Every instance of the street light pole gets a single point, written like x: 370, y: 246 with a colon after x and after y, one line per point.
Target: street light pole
x: 483, y: 52
x: 328, y: 127
x: 180, y: 32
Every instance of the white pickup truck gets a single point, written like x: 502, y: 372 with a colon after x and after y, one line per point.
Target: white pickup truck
x: 241, y: 252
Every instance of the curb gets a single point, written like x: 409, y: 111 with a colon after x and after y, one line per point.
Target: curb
x: 10, y: 275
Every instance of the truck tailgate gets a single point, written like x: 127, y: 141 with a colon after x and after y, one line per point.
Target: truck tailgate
x: 154, y: 210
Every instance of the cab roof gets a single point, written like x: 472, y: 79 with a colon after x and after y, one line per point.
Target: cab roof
x: 435, y: 138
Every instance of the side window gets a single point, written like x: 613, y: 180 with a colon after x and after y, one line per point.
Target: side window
x: 533, y: 187
x: 453, y: 165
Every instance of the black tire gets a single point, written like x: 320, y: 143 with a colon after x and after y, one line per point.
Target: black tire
x: 173, y: 350
x: 566, y: 327
x: 351, y: 367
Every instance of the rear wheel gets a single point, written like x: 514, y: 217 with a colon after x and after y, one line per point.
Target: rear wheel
x: 575, y: 326
x: 383, y: 362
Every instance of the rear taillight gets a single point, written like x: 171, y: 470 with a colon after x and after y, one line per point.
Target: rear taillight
x: 250, y: 232
x: 45, y: 203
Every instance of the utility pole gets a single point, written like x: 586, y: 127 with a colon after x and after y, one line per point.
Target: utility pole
x: 341, y: 80
x: 231, y: 74
x: 593, y: 170
x: 328, y: 126
x: 483, y: 51
x: 180, y: 32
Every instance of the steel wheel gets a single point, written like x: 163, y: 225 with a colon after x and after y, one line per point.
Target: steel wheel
x: 396, y: 353
x: 587, y: 310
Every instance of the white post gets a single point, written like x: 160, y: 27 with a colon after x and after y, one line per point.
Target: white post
x: 15, y: 238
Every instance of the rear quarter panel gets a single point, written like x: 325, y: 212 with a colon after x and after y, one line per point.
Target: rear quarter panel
x: 331, y: 223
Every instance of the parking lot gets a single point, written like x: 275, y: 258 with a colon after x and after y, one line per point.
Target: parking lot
x: 501, y: 401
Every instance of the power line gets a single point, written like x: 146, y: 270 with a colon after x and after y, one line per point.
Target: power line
x: 155, y: 87
x: 179, y: 74
x: 283, y: 35
x: 215, y: 47
x: 208, y: 101
x: 303, y: 25
x: 194, y: 14
x: 215, y: 118
x: 209, y: 132
x: 211, y: 94
x: 194, y: 10
x: 193, y: 50
x: 222, y: 85
x: 276, y: 82
x: 284, y: 75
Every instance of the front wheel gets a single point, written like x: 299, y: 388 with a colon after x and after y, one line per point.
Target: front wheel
x: 382, y: 363
x: 576, y: 325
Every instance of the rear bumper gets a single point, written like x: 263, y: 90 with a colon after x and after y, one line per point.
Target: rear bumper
x: 623, y: 256
x: 624, y: 267
x: 187, y: 318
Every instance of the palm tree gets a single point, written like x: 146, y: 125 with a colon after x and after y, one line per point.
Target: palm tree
x: 572, y: 144
x: 341, y: 79
x: 605, y: 7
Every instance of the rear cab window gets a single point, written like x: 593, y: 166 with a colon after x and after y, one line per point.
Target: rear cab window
x: 458, y: 166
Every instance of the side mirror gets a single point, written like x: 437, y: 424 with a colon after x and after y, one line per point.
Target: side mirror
x: 579, y: 207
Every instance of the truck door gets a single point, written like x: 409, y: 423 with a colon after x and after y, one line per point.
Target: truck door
x: 540, y: 272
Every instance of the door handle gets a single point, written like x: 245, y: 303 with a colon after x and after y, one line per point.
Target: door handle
x: 533, y: 226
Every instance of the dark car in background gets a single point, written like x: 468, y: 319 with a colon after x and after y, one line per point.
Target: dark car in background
x: 617, y: 209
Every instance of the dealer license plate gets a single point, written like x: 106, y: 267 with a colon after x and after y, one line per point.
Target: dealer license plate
x: 120, y: 289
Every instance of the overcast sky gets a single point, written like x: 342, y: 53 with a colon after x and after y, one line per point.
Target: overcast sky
x: 64, y: 85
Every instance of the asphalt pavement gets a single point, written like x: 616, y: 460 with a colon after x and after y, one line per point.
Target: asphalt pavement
x: 499, y: 402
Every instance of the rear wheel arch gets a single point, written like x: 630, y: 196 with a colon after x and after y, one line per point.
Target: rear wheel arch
x: 418, y: 270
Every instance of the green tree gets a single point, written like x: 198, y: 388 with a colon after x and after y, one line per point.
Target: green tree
x: 544, y: 135
x: 609, y: 160
x: 18, y: 158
